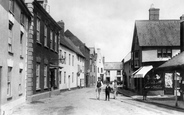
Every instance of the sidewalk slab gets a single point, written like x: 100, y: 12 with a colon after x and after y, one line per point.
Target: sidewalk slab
x: 166, y: 100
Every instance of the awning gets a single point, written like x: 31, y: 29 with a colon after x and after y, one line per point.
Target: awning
x: 52, y: 66
x: 142, y: 71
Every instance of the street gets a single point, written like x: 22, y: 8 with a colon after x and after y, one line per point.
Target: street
x: 83, y: 102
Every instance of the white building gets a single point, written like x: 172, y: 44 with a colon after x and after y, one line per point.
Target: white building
x: 71, y: 74
x: 113, y: 71
x: 99, y: 64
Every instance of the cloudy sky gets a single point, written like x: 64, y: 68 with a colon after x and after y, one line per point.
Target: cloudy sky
x: 109, y: 24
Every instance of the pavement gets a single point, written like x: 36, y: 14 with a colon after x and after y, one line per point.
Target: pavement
x: 165, y: 100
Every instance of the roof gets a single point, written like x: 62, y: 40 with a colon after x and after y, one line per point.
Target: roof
x: 158, y: 33
x: 75, y: 39
x: 176, y: 61
x: 69, y: 44
x: 113, y: 66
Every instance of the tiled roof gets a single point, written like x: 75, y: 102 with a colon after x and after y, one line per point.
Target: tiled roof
x: 158, y: 33
x: 69, y: 44
x: 177, y: 60
x: 113, y: 66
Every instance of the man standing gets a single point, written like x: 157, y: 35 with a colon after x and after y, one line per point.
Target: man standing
x: 99, y: 85
x: 115, y: 88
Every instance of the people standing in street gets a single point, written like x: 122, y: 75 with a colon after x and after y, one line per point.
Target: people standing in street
x: 107, y: 92
x: 99, y: 85
x: 115, y: 88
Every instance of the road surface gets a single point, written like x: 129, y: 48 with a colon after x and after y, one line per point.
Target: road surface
x: 83, y: 102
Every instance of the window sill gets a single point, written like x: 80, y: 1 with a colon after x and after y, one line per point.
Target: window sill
x: 11, y: 13
x: 21, y: 57
x: 45, y: 88
x: 46, y: 47
x: 11, y: 53
x: 38, y: 42
x: 20, y: 94
x: 9, y: 98
x: 38, y: 89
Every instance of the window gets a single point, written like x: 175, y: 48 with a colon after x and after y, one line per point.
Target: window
x: 10, y: 37
x: 55, y: 42
x: 21, y: 44
x: 159, y: 53
x: 73, y: 60
x: 20, y: 82
x: 9, y: 81
x: 69, y: 59
x: 45, y: 76
x: 37, y: 76
x: 136, y: 54
x: 101, y: 70
x: 72, y: 77
x: 11, y: 6
x: 45, y: 35
x: 51, y: 40
x: 60, y: 76
x: 22, y: 18
x: 64, y: 77
x: 55, y: 77
x: 98, y: 70
x: 38, y: 30
x: 65, y: 57
x: 118, y: 72
x: 108, y: 72
x: 136, y: 63
x: 164, y: 53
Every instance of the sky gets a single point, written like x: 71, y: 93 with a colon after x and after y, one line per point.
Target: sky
x: 109, y: 24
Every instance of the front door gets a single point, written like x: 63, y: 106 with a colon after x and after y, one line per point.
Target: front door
x: 52, y: 79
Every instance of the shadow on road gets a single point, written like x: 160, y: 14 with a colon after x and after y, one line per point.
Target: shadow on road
x: 93, y: 98
x: 37, y: 102
x: 161, y: 105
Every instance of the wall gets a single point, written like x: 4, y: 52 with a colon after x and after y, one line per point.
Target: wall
x: 12, y: 59
x: 68, y: 69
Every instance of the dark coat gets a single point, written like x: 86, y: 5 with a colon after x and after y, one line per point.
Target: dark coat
x: 108, y: 89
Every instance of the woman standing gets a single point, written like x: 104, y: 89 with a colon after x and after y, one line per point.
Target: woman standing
x: 115, y: 88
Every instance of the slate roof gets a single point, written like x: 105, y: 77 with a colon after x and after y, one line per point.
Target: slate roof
x: 113, y: 66
x: 176, y: 61
x: 70, y: 45
x: 158, y: 33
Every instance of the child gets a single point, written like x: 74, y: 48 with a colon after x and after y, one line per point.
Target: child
x: 107, y: 92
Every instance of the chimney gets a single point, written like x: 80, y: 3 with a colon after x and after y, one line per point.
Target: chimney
x: 182, y: 33
x: 62, y: 25
x: 153, y: 13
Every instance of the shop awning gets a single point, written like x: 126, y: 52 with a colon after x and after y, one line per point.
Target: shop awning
x: 142, y: 71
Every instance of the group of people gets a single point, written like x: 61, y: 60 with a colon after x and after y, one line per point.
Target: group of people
x: 108, y: 89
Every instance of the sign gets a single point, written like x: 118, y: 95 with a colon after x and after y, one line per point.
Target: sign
x: 168, y: 80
